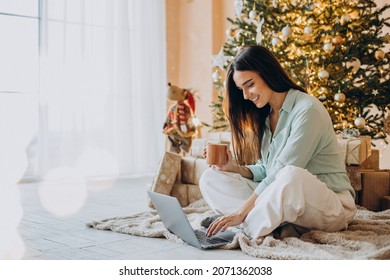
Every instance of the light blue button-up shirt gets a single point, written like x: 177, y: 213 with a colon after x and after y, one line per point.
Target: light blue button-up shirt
x: 303, y: 137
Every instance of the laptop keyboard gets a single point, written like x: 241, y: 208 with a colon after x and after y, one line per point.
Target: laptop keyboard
x: 204, y: 239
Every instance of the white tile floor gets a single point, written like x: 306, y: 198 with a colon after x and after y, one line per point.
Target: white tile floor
x: 48, y: 237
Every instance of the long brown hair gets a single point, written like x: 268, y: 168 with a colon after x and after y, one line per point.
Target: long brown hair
x: 247, y: 122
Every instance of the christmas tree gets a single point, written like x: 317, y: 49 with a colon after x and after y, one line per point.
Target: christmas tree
x: 333, y: 48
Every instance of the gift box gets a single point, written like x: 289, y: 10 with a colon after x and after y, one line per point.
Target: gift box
x: 355, y: 149
x: 197, y: 148
x: 375, y: 186
x: 355, y: 176
x: 194, y: 193
x: 192, y: 169
x: 166, y: 176
x: 372, y: 162
x: 180, y: 191
x: 354, y: 171
x: 225, y: 136
x: 186, y: 193
x: 386, y: 202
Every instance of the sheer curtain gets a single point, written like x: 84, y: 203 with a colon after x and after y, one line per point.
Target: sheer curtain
x: 102, y: 87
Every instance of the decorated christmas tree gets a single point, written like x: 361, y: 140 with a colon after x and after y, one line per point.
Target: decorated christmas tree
x: 336, y: 49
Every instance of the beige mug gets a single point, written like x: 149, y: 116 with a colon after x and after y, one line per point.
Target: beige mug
x: 216, y: 154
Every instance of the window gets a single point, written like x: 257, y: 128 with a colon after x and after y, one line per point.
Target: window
x: 19, y: 31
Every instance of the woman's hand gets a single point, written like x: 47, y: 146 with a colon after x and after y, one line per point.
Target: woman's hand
x: 222, y: 223
x: 229, y: 166
x: 234, y: 219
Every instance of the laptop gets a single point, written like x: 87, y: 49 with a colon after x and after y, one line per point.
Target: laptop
x: 176, y: 221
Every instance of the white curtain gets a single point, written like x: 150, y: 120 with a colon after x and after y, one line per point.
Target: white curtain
x: 102, y: 87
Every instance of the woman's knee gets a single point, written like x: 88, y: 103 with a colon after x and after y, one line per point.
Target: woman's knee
x: 291, y: 177
x: 291, y: 173
x: 206, y: 179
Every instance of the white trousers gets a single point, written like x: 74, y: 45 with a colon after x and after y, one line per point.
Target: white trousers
x: 296, y: 196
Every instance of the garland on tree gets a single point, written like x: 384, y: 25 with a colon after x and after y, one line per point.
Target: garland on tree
x: 335, y: 49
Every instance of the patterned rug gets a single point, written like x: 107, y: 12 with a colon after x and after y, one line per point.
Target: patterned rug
x: 368, y: 236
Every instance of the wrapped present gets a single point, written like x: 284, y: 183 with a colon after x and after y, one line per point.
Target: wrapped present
x: 180, y: 191
x: 192, y: 169
x: 385, y: 202
x: 375, y: 186
x: 355, y: 176
x: 223, y: 136
x: 166, y: 175
x: 197, y: 148
x: 355, y: 149
x: 186, y: 193
x: 354, y: 171
x: 372, y: 162
x: 194, y: 193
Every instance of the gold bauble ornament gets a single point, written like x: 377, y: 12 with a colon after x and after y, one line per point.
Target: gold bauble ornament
x: 323, y: 74
x: 359, y: 122
x: 339, y: 97
x: 328, y: 47
x: 308, y: 30
x: 287, y: 31
x: 379, y: 54
x: 275, y: 41
x: 337, y: 40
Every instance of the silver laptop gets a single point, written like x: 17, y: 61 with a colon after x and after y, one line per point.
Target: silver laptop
x: 176, y: 221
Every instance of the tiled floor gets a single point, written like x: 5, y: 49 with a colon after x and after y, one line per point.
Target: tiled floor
x: 49, y: 237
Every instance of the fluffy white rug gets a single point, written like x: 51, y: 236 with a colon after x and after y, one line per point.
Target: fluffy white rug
x: 368, y: 236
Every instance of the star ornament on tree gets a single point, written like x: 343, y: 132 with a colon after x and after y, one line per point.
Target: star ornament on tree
x: 375, y: 92
x: 219, y: 60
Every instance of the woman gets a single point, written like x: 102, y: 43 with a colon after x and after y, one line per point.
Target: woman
x: 300, y: 179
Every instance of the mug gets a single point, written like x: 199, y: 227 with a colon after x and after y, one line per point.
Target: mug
x: 216, y: 154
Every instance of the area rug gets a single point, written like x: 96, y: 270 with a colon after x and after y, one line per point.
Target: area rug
x: 367, y: 237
